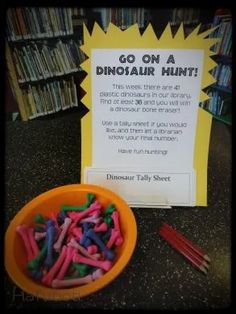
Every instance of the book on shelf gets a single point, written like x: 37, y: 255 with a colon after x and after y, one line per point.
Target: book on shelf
x: 185, y: 15
x: 220, y: 101
x: 78, y: 17
x: 222, y: 73
x: 36, y: 61
x: 223, y: 19
x: 49, y: 98
x: 122, y: 17
x: 217, y: 104
x: 34, y: 22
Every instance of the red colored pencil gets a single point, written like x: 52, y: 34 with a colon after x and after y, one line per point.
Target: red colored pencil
x: 179, y: 246
x: 194, y: 247
x: 186, y: 247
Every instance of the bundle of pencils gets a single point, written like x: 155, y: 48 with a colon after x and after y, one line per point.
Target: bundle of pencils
x: 195, y: 255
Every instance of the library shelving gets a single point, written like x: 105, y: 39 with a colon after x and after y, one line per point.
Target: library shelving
x: 220, y: 102
x: 43, y: 58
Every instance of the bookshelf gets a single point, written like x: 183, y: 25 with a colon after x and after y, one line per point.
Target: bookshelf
x: 220, y: 102
x: 121, y: 17
x: 43, y: 58
x: 190, y: 17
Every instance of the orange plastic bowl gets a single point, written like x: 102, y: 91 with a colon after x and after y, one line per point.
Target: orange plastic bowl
x: 75, y: 194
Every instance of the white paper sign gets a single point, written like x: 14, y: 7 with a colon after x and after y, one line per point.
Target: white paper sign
x: 144, y: 112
